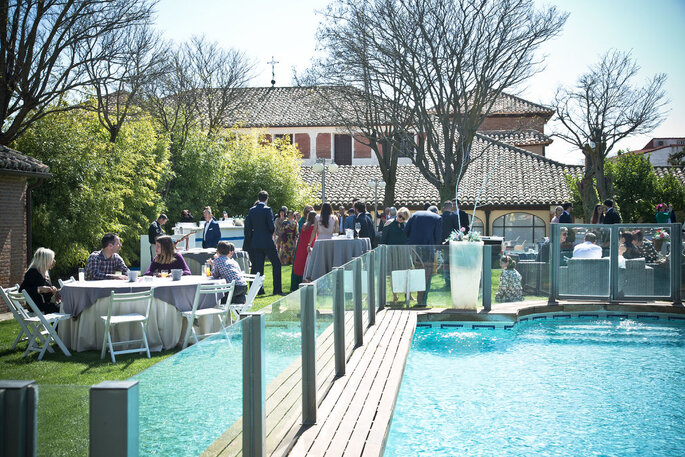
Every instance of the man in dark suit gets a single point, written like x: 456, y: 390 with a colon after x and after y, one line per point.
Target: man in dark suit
x: 155, y: 231
x: 211, y: 234
x: 424, y: 229
x: 259, y: 230
x: 611, y: 216
x: 452, y: 220
x: 364, y: 219
x: 565, y: 217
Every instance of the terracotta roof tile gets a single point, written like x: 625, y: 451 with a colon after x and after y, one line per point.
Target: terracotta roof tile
x: 15, y: 161
x: 526, y: 137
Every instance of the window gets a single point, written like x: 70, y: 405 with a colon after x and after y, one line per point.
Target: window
x: 478, y: 225
x: 519, y: 227
x: 659, y: 143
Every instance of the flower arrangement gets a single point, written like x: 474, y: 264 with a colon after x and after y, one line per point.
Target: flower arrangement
x: 661, y: 234
x: 458, y: 235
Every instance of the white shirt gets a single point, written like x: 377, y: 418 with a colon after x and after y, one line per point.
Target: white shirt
x: 587, y: 250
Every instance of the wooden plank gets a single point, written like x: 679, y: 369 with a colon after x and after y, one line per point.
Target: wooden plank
x: 341, y: 394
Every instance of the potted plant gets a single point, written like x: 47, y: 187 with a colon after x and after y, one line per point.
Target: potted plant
x: 466, y: 265
x: 660, y: 236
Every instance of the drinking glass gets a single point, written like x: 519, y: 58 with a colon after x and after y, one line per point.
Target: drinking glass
x: 81, y: 274
x: 164, y: 273
x: 357, y: 228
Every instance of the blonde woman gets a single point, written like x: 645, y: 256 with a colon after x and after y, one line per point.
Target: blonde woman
x: 557, y: 214
x: 37, y: 281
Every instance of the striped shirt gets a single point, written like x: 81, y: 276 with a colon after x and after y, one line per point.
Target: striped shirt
x: 228, y: 269
x: 100, y: 267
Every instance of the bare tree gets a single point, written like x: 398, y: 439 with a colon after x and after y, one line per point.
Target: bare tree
x: 138, y: 58
x: 449, y: 61
x: 41, y: 52
x: 603, y: 108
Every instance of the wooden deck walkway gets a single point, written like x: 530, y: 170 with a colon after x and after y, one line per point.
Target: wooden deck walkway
x: 354, y: 411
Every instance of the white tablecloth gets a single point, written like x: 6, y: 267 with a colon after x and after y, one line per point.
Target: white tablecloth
x: 328, y: 254
x: 166, y: 326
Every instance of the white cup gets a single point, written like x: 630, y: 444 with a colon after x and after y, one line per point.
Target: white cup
x: 132, y: 276
x: 176, y: 274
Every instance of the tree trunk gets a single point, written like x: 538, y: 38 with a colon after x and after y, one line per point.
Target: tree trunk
x: 446, y: 191
x: 389, y: 193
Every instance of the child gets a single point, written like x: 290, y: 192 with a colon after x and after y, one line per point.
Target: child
x: 223, y: 266
x: 509, y: 282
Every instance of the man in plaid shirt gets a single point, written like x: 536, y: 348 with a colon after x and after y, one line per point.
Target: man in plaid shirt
x: 223, y: 266
x: 104, y: 263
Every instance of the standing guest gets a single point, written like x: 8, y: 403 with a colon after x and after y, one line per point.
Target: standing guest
x: 37, y: 281
x: 383, y: 219
x: 259, y: 227
x: 557, y: 214
x: 341, y: 219
x: 211, y: 233
x: 611, y: 216
x: 104, y: 264
x: 394, y: 237
x: 307, y: 239
x: 565, y: 217
x: 289, y: 232
x: 186, y: 216
x: 391, y: 216
x: 326, y: 223
x: 662, y: 214
x: 224, y: 266
x: 424, y: 229
x: 349, y: 220
x: 588, y: 249
x: 167, y: 258
x: 543, y: 253
x: 645, y: 247
x: 452, y: 221
x: 279, y: 220
x: 671, y: 212
x: 597, y: 214
x: 463, y: 217
x: 154, y: 231
x: 362, y: 217
x: 303, y: 219
x: 510, y: 288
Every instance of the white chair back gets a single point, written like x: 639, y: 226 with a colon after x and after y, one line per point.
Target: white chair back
x: 68, y: 281
x: 131, y: 318
x: 219, y: 290
x: 45, y: 326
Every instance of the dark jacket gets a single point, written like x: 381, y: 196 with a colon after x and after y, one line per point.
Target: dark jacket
x: 451, y: 221
x: 154, y: 231
x: 424, y: 228
x: 393, y: 233
x: 259, y: 227
x: 565, y: 218
x: 612, y: 216
x: 32, y: 281
x: 367, y: 230
x: 211, y: 238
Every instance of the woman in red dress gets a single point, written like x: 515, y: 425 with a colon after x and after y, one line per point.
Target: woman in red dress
x: 307, y: 238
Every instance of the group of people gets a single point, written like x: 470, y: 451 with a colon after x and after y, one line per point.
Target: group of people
x: 603, y: 213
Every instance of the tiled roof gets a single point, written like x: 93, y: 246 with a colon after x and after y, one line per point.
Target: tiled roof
x: 286, y: 107
x: 678, y: 172
x: 526, y: 137
x: 521, y: 178
x: 511, y: 104
x: 15, y: 161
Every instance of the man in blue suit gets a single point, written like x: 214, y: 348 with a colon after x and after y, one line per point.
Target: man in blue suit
x: 424, y: 230
x: 259, y: 229
x: 366, y: 223
x: 565, y: 217
x: 211, y: 235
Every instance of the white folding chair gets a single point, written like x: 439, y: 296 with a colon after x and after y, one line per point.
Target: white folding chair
x: 41, y: 329
x: 23, y: 331
x: 68, y: 281
x: 240, y: 308
x: 130, y: 318
x: 408, y: 281
x: 221, y: 311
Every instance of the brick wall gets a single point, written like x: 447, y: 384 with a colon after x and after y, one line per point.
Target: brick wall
x: 513, y: 123
x: 12, y: 231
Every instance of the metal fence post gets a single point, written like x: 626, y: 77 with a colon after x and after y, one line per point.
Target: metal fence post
x: 676, y: 263
x: 113, y: 421
x: 487, y: 277
x: 382, y: 275
x: 554, y: 256
x: 371, y: 287
x: 254, y: 415
x: 19, y: 418
x: 339, y: 321
x: 357, y: 294
x: 308, y: 323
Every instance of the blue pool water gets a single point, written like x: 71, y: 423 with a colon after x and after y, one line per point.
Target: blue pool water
x: 190, y: 399
x: 585, y: 387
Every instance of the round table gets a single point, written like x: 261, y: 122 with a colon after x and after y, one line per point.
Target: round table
x: 328, y: 254
x: 87, y: 301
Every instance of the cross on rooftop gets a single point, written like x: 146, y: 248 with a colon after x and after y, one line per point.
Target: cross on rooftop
x: 273, y: 74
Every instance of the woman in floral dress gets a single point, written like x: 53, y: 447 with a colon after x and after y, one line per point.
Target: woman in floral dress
x: 288, y: 239
x: 510, y: 288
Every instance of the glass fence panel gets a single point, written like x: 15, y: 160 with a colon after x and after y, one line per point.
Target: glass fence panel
x: 682, y: 269
x: 192, y: 398
x: 324, y: 295
x: 364, y: 264
x: 584, y: 261
x: 377, y: 259
x: 282, y: 353
x: 63, y: 420
x: 348, y: 279
x: 644, y: 262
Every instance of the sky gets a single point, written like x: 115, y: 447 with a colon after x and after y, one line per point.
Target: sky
x: 653, y: 31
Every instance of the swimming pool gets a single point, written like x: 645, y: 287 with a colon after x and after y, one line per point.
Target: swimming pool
x: 190, y: 399
x: 599, y: 386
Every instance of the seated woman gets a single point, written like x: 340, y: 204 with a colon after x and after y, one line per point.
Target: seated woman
x: 644, y: 247
x: 37, y: 281
x: 510, y: 288
x: 167, y: 258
